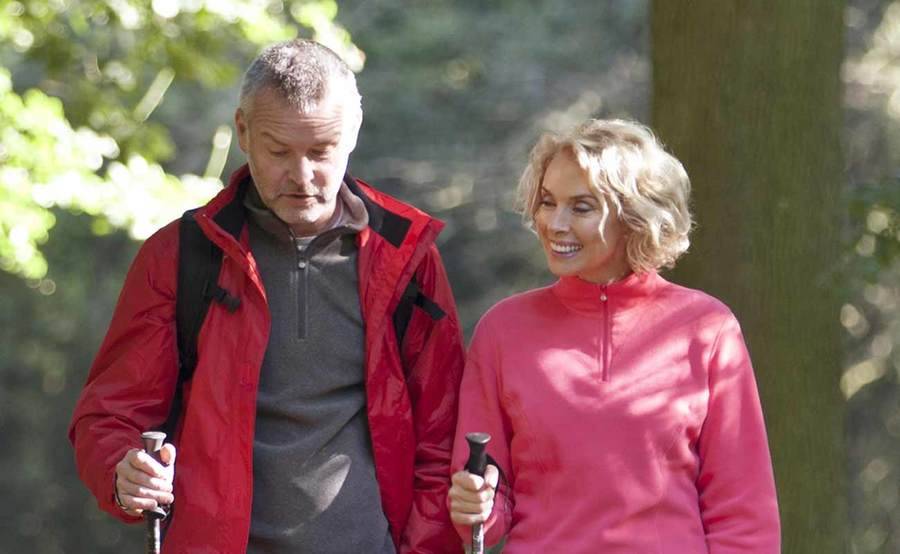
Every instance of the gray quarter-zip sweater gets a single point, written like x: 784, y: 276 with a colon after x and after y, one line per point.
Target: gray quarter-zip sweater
x: 314, y: 486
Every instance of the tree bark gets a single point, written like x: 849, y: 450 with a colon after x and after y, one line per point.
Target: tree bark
x: 748, y: 96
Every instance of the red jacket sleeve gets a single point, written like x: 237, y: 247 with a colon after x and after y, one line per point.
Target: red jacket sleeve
x: 131, y: 381
x: 738, y: 503
x: 481, y: 410
x: 433, y: 354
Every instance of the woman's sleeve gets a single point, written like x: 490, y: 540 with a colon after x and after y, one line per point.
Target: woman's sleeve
x: 738, y: 504
x: 481, y: 410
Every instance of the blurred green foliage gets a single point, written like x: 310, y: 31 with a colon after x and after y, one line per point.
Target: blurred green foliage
x: 871, y: 380
x: 76, y: 112
x: 874, y: 228
x: 870, y: 274
x: 49, y: 330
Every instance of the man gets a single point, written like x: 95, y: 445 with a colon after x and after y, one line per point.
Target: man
x: 306, y: 427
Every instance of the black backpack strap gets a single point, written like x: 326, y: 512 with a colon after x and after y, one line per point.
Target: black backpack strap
x: 413, y: 296
x: 199, y: 263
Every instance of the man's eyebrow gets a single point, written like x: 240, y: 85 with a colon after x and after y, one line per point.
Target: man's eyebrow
x: 329, y: 142
x: 271, y: 137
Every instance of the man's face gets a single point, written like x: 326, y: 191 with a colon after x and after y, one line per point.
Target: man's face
x: 298, y: 159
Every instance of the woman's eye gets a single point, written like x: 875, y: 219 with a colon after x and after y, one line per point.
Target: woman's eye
x: 278, y: 153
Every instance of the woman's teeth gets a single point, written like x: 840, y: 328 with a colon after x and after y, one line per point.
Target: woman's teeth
x: 564, y: 248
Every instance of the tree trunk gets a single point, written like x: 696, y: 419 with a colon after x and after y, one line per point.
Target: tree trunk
x: 748, y: 96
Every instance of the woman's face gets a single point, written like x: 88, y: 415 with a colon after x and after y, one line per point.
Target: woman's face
x: 568, y: 222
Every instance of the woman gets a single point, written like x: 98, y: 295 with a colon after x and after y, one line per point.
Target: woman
x: 623, y: 408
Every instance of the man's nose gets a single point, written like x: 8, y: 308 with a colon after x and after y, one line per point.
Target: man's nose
x: 302, y: 170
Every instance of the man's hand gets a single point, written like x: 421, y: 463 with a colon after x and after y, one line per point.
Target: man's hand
x: 472, y: 497
x: 142, y: 483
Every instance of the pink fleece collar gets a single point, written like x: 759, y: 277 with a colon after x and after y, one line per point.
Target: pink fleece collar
x: 583, y: 296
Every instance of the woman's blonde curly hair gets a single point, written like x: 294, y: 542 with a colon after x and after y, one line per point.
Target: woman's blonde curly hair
x: 627, y: 168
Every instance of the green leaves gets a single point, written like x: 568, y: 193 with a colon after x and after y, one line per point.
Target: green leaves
x: 80, y: 87
x: 44, y: 163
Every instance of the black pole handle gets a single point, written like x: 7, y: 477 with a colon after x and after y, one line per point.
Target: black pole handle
x: 153, y: 442
x: 476, y: 466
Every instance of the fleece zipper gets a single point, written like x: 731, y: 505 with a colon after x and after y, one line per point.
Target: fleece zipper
x: 605, y: 336
x: 301, y: 286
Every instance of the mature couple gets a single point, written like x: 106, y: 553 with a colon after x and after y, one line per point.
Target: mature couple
x: 623, y: 408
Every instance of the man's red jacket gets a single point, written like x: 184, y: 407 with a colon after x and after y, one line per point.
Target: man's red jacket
x: 411, y: 395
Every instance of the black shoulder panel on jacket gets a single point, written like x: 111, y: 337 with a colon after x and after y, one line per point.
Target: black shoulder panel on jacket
x: 232, y: 217
x: 389, y: 225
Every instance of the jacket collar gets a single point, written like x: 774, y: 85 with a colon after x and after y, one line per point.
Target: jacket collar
x: 396, y: 222
x: 390, y: 225
x: 350, y: 215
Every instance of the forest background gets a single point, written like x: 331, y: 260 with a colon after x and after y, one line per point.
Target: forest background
x: 115, y: 115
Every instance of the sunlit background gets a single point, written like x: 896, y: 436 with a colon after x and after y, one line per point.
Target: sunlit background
x: 115, y: 116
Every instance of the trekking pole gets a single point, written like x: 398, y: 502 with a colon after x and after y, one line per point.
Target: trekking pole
x: 153, y: 442
x: 476, y: 465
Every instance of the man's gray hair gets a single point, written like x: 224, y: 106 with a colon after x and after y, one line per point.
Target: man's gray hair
x: 301, y: 71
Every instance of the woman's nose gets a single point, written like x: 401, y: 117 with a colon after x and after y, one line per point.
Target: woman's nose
x: 559, y: 220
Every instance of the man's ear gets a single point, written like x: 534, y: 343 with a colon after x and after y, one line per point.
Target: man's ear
x: 353, y: 127
x: 243, y: 129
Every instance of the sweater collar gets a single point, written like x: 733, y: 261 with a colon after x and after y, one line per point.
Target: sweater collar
x: 350, y: 215
x: 583, y: 296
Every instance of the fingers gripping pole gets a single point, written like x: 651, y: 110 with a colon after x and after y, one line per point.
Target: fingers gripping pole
x: 153, y: 442
x: 476, y: 466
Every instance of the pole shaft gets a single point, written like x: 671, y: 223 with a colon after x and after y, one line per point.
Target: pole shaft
x: 152, y: 536
x: 153, y: 441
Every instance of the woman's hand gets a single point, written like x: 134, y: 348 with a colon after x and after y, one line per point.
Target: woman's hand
x: 472, y: 497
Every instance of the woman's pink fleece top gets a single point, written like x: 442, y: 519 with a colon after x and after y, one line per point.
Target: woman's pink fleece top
x: 625, y: 418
